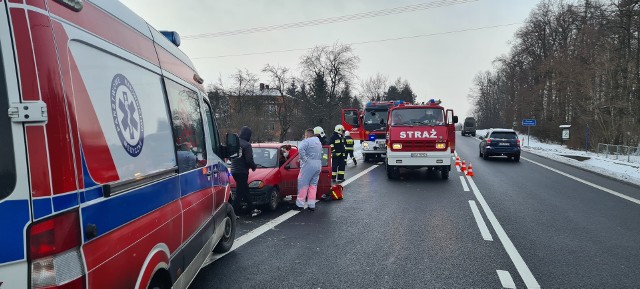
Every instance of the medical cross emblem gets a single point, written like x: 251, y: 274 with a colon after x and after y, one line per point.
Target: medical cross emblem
x: 127, y: 115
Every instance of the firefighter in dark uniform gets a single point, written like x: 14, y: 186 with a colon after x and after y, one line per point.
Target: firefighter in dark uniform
x: 348, y: 147
x: 337, y: 154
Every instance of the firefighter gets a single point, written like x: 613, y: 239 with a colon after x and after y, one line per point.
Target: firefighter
x: 348, y: 147
x: 319, y: 133
x: 337, y: 153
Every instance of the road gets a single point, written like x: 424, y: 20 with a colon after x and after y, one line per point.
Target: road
x: 537, y: 223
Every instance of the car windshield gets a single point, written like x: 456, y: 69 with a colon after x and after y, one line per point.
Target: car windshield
x: 503, y: 135
x: 417, y: 116
x: 265, y: 157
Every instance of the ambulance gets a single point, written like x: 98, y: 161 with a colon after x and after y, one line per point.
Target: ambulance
x: 112, y: 171
x: 420, y: 136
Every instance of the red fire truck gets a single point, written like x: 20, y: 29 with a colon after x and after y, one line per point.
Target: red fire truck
x: 420, y: 136
x: 369, y: 126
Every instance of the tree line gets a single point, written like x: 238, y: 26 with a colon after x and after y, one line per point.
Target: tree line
x: 574, y: 63
x: 327, y: 83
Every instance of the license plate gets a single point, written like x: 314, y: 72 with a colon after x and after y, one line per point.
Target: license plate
x: 503, y: 144
x: 419, y: 155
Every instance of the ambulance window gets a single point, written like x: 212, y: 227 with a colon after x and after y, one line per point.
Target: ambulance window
x: 7, y: 163
x: 188, y: 129
x: 213, y: 131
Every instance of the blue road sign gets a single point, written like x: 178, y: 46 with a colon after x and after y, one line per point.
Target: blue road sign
x: 528, y: 122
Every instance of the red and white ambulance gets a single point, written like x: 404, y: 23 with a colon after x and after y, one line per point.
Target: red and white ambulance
x: 111, y: 167
x: 420, y: 136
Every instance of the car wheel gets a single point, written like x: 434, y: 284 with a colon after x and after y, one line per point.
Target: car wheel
x: 229, y: 234
x: 516, y: 158
x: 480, y: 153
x: 485, y: 156
x: 274, y: 199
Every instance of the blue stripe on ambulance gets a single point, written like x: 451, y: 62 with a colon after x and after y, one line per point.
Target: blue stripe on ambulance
x: 14, y: 215
x: 41, y: 208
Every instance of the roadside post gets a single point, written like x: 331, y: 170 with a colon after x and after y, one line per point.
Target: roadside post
x: 529, y: 123
x: 565, y: 132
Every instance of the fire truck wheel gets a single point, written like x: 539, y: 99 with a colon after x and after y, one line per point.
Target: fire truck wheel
x: 229, y: 234
x: 393, y: 173
x: 365, y: 157
x: 274, y: 199
x: 160, y: 281
x: 445, y: 174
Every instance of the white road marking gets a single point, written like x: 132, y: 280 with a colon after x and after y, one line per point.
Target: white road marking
x: 484, y: 231
x: 252, y: 235
x: 505, y: 279
x: 271, y: 224
x: 521, y: 266
x: 586, y: 182
x: 464, y: 184
x: 362, y: 173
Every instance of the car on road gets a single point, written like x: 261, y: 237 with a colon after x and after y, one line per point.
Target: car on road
x: 276, y: 177
x: 469, y: 126
x: 500, y: 142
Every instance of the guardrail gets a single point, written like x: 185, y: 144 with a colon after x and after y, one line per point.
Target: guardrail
x: 619, y: 152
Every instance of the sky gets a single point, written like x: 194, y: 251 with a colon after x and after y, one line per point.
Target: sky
x: 441, y: 65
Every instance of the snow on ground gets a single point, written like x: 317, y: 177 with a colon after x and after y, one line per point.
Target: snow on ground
x: 618, y: 169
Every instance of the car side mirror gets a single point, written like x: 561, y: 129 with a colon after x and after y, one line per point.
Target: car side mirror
x: 455, y: 119
x: 232, y: 147
x: 481, y: 137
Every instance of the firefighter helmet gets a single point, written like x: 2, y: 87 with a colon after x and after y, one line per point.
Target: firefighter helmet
x: 319, y: 131
x: 339, y: 128
x: 346, y: 133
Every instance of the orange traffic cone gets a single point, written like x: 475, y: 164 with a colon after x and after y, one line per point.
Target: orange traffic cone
x: 457, y: 161
x: 464, y: 166
x: 470, y: 171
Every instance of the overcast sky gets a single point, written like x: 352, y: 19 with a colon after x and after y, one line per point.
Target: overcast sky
x: 437, y: 66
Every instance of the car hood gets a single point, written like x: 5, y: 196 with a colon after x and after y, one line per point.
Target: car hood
x: 259, y: 174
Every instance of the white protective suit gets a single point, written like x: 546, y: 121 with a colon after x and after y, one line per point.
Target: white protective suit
x: 310, y: 151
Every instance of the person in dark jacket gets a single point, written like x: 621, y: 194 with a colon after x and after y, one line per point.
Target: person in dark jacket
x: 337, y: 154
x: 240, y: 170
x: 319, y: 133
x: 348, y: 146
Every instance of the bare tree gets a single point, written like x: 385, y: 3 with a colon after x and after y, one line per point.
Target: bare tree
x: 337, y: 64
x: 286, y: 103
x: 374, y: 87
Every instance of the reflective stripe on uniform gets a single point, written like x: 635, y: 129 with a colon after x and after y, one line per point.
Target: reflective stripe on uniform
x: 341, y: 173
x: 337, y: 141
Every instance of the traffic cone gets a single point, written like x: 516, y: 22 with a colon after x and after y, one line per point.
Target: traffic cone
x: 470, y: 171
x: 457, y: 161
x: 464, y: 166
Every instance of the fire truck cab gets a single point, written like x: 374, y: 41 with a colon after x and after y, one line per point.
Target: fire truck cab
x: 420, y: 136
x: 370, y: 127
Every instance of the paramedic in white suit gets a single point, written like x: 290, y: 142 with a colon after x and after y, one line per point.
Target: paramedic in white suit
x: 310, y: 151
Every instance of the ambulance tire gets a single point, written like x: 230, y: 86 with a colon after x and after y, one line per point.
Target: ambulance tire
x: 229, y: 235
x: 160, y: 280
x: 274, y: 199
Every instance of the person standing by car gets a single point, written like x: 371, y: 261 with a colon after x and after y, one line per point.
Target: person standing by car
x: 337, y: 154
x: 348, y: 147
x: 240, y: 170
x: 310, y: 152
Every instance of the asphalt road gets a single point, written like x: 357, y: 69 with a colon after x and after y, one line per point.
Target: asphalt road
x: 545, y: 228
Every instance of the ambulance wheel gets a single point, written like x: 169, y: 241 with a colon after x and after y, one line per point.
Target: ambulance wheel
x: 229, y: 235
x: 274, y: 199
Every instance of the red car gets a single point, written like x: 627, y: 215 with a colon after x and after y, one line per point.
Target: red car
x: 277, y: 177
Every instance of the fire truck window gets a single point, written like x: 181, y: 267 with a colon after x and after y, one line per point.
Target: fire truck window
x: 418, y: 116
x: 351, y: 117
x: 188, y: 129
x: 7, y: 163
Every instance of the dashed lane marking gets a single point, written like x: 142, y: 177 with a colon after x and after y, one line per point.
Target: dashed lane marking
x: 516, y: 258
x: 586, y: 182
x: 271, y: 224
x: 464, y: 184
x: 484, y: 230
x: 505, y: 279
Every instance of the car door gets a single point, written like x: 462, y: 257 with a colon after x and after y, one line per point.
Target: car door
x: 289, y: 177
x: 324, y: 183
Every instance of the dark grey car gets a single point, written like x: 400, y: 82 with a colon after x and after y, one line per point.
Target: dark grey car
x: 500, y: 142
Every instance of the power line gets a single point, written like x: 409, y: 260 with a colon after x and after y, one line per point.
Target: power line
x: 331, y: 20
x: 362, y: 42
